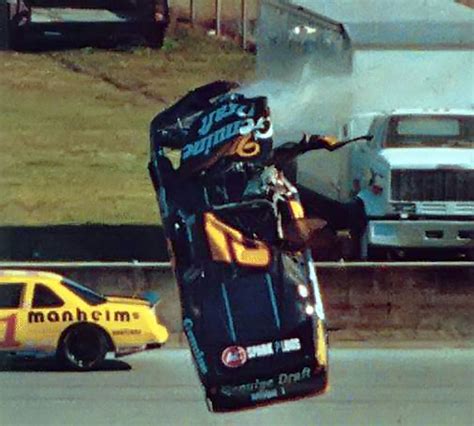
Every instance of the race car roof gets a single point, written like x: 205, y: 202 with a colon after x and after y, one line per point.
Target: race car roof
x: 13, y: 273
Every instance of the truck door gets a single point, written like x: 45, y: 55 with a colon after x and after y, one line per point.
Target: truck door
x: 363, y: 156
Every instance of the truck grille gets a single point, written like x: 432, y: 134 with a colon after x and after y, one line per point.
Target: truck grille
x: 432, y: 185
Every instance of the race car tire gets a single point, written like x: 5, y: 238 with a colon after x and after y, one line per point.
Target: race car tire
x: 83, y: 347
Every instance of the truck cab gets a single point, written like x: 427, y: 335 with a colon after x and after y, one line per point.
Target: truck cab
x: 416, y: 179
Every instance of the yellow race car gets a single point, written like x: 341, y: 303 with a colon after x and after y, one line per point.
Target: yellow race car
x: 42, y: 313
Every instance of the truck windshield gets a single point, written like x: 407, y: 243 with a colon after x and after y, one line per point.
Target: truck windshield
x: 430, y: 130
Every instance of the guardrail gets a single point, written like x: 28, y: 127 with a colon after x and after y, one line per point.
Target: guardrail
x: 414, y: 296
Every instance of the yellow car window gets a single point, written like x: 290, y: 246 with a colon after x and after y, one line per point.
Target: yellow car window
x: 11, y: 295
x: 43, y: 297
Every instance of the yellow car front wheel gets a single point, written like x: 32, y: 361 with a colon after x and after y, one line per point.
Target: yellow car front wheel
x: 83, y: 347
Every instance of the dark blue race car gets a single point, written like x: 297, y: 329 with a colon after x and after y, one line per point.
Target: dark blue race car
x: 251, y: 306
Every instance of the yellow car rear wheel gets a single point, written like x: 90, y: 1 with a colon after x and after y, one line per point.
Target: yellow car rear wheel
x: 83, y: 347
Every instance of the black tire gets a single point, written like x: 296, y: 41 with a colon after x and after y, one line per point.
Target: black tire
x: 82, y: 347
x: 5, y: 32
x: 154, y: 37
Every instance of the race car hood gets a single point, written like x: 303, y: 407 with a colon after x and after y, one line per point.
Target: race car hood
x: 429, y: 158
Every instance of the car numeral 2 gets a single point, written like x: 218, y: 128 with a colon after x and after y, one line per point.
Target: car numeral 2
x: 8, y: 339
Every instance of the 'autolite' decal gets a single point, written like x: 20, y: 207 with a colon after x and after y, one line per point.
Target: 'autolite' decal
x: 234, y: 356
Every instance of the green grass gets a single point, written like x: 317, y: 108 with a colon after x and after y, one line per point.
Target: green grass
x: 74, y: 126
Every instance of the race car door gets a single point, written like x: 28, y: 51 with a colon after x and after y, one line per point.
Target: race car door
x: 46, y: 318
x: 13, y: 316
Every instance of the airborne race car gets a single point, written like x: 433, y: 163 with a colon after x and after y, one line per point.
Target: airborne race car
x: 251, y: 306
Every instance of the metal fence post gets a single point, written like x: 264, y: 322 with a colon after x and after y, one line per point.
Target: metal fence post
x: 218, y: 17
x: 192, y: 12
x: 244, y: 23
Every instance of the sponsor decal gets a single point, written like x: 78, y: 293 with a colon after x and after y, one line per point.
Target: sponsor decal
x: 197, y: 352
x: 127, y: 331
x: 267, y: 394
x: 80, y: 315
x: 265, y: 385
x: 222, y: 113
x: 289, y: 378
x: 246, y: 147
x: 262, y: 127
x: 204, y: 145
x: 257, y: 386
x: 271, y: 348
x: 234, y: 356
x: 259, y: 351
x: 290, y: 345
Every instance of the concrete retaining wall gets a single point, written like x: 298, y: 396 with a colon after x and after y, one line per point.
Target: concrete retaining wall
x: 83, y: 242
x: 363, y: 298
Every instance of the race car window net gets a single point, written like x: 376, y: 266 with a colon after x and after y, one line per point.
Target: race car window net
x: 85, y: 293
x: 43, y: 297
x: 10, y: 295
x: 228, y: 245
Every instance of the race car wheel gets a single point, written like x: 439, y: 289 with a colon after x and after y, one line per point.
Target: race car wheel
x: 83, y: 348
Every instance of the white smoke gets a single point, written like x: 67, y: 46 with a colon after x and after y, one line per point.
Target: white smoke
x: 381, y: 80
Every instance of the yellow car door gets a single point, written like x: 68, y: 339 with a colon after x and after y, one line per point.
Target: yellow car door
x: 45, y: 317
x: 13, y: 330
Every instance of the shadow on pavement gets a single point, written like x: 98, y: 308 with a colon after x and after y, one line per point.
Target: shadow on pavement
x: 51, y: 365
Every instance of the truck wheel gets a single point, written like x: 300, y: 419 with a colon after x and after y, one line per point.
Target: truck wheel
x: 82, y: 348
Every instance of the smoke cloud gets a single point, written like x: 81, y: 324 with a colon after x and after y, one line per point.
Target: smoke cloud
x: 381, y: 80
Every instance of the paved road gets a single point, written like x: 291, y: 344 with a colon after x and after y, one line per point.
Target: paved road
x: 368, y: 387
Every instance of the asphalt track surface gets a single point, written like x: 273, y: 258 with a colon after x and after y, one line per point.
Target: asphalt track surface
x: 368, y: 387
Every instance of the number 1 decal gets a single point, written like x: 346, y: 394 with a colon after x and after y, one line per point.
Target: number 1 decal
x: 7, y: 337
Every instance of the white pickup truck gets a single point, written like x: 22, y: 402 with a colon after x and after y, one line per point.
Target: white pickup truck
x: 415, y: 179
